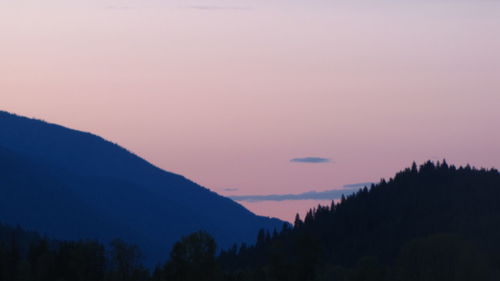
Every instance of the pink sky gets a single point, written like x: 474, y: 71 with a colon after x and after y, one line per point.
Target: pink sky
x: 227, y: 92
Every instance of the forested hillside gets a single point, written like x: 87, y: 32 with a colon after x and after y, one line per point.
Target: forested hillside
x: 434, y: 222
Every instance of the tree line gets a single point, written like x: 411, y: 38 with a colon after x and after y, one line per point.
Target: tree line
x: 26, y: 256
x: 429, y: 222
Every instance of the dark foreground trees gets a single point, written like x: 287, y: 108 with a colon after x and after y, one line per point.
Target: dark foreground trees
x: 25, y: 256
x: 429, y: 223
x: 191, y: 259
x: 442, y: 257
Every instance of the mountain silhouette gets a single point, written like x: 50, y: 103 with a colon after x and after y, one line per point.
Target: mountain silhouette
x: 71, y: 185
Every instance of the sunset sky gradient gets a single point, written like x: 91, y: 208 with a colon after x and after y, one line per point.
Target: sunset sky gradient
x: 227, y: 93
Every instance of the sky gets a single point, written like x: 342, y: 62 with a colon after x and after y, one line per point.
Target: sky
x: 240, y: 95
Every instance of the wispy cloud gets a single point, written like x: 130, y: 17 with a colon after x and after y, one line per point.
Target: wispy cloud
x: 119, y: 8
x: 310, y: 195
x: 230, y: 189
x: 219, y: 8
x: 312, y: 160
x: 358, y: 185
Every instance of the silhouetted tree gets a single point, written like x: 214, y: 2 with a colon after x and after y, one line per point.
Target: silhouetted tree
x: 192, y: 258
x: 125, y: 265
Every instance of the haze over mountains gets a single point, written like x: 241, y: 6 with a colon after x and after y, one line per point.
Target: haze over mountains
x: 71, y: 185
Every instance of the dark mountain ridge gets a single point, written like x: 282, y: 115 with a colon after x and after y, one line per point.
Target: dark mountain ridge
x: 69, y: 184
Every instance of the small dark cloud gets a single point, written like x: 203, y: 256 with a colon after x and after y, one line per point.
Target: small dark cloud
x: 219, y: 8
x: 313, y: 160
x: 311, y: 195
x: 230, y: 189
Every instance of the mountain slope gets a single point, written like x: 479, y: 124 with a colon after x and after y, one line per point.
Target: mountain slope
x: 69, y: 185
